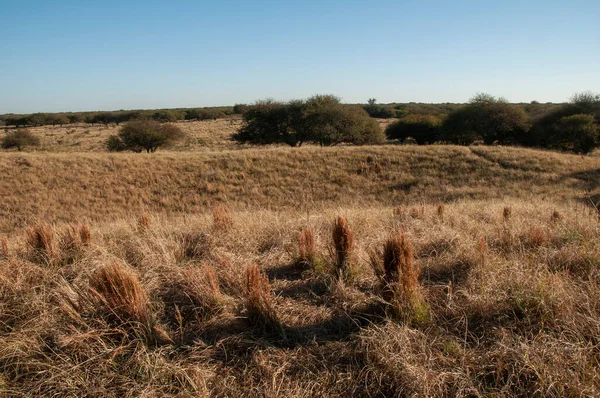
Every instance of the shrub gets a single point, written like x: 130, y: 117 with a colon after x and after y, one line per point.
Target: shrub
x: 486, y: 118
x: 379, y: 111
x: 148, y: 135
x: 321, y: 119
x: 424, y: 129
x: 579, y: 131
x: 240, y: 109
x: 19, y: 139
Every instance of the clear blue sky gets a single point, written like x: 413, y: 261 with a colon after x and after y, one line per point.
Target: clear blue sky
x: 72, y: 55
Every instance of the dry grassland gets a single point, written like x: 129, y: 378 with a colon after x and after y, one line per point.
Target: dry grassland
x: 451, y: 271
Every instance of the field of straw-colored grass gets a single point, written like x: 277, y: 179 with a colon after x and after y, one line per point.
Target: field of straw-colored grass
x: 298, y: 272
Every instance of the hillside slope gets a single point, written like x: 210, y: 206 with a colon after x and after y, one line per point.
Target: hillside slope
x: 85, y: 186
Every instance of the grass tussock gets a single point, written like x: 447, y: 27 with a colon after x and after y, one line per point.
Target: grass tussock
x: 259, y: 302
x: 222, y: 219
x: 41, y: 241
x: 123, y: 301
x: 343, y: 245
x: 306, y: 247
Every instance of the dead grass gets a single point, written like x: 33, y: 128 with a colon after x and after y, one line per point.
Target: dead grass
x: 507, y: 305
x: 493, y: 318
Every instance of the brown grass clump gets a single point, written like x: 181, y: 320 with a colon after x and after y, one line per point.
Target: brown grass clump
x: 400, y: 279
x: 4, y: 248
x: 191, y: 296
x: 534, y: 236
x: 482, y: 250
x: 417, y: 212
x: 222, y: 219
x: 122, y: 301
x: 194, y: 245
x: 506, y: 213
x: 440, y: 211
x: 144, y: 223
x: 41, y: 242
x: 85, y: 234
x: 259, y: 302
x: 306, y: 247
x: 343, y: 243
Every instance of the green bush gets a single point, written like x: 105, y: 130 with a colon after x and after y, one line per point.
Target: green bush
x: 488, y: 119
x: 423, y: 128
x: 321, y: 119
x: 19, y: 139
x: 578, y: 131
x: 145, y: 134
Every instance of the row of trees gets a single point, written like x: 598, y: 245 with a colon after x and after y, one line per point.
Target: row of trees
x: 115, y: 117
x: 320, y: 119
x: 573, y: 126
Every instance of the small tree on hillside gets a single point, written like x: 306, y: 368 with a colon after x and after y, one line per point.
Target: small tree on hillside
x: 146, y: 134
x: 580, y: 131
x: 486, y: 118
x: 19, y: 139
x: 425, y: 129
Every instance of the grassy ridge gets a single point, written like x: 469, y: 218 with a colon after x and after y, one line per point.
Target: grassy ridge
x: 82, y: 186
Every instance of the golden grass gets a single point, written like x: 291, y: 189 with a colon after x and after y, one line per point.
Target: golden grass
x: 524, y: 320
x: 507, y: 304
x: 86, y: 187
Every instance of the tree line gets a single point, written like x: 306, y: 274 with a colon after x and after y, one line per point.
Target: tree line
x: 117, y: 117
x: 325, y: 121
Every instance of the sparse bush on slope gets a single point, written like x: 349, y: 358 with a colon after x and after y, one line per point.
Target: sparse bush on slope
x: 140, y: 135
x: 19, y: 139
x: 488, y: 119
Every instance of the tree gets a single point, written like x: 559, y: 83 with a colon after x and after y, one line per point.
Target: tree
x: 580, y: 132
x: 146, y: 134
x: 321, y: 119
x: 425, y: 129
x: 19, y: 139
x: 486, y: 118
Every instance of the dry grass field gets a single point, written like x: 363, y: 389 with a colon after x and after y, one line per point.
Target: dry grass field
x: 215, y: 271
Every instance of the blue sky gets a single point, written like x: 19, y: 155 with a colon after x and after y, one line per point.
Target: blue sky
x: 73, y: 55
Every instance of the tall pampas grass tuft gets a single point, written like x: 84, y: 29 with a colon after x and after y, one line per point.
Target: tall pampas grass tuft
x: 123, y: 302
x: 41, y: 242
x: 306, y: 247
x: 399, y: 277
x: 222, y: 219
x: 343, y: 243
x: 259, y: 302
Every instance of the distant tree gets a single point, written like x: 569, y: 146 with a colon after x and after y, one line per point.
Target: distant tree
x: 374, y: 110
x: 321, y: 119
x: 145, y: 134
x: 267, y: 122
x: 239, y: 109
x: 486, y: 118
x: 75, y: 118
x: 425, y: 129
x: 580, y: 131
x: 168, y: 116
x: 57, y: 118
x: 19, y: 139
x: 546, y: 131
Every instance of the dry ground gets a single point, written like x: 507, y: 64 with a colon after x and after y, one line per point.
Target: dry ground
x: 155, y: 299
